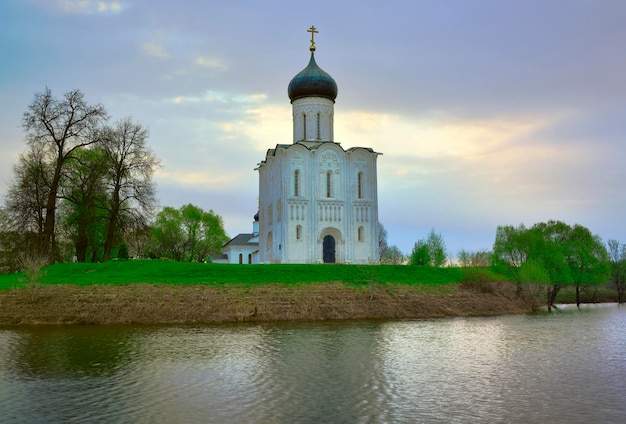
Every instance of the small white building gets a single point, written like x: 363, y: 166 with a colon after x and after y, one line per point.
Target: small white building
x: 318, y: 202
x: 242, y: 249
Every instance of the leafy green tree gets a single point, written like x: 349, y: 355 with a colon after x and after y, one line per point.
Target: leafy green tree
x: 617, y: 258
x: 188, y: 233
x: 167, y: 235
x: 122, y: 252
x: 550, y: 250
x: 553, y: 253
x: 59, y: 128
x: 587, y: 258
x: 84, y: 202
x: 420, y: 256
x: 430, y: 251
x: 510, y: 249
x: 533, y: 277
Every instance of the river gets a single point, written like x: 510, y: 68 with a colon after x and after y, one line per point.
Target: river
x: 564, y: 367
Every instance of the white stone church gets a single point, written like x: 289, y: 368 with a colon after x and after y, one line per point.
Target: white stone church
x: 318, y: 202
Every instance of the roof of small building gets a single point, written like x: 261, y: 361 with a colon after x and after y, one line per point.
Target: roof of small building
x: 244, y: 239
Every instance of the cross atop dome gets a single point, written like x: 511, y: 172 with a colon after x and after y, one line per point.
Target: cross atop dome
x: 313, y: 31
x: 312, y: 81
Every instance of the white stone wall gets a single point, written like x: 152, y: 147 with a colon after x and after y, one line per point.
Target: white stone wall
x: 293, y: 225
x: 233, y: 255
x: 364, y: 205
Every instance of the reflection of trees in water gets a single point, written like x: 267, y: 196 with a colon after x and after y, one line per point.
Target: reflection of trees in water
x: 56, y: 352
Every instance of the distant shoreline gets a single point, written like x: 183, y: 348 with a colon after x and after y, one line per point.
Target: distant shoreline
x: 204, y: 304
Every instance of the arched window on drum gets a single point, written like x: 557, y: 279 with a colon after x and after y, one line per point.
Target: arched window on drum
x: 296, y: 182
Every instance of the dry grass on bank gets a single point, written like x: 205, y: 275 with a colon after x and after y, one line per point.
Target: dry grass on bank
x: 175, y: 304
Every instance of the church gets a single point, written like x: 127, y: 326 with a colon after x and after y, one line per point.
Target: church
x: 318, y: 202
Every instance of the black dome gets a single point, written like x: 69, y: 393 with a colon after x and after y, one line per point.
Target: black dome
x: 312, y: 81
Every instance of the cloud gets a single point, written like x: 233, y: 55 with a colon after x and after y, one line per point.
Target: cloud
x: 88, y: 7
x: 156, y: 50
x: 111, y: 6
x: 446, y: 171
x: 437, y: 136
x: 218, y: 97
x: 200, y: 178
x: 211, y: 63
x: 264, y: 126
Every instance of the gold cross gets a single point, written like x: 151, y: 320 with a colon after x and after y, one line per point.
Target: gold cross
x: 313, y: 31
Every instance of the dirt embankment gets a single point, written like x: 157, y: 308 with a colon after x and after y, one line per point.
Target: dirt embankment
x: 170, y: 304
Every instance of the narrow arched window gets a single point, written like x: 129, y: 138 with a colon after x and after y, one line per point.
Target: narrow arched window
x: 249, y: 258
x: 360, y: 234
x: 240, y: 258
x: 304, y: 126
x: 329, y: 187
x: 360, y: 185
x: 318, y: 126
x: 296, y: 182
x: 298, y: 232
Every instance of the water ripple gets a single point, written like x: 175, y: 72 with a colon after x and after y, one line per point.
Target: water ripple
x: 567, y: 366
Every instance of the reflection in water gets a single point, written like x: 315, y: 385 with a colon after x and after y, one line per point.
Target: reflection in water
x: 561, y: 367
x: 86, y: 351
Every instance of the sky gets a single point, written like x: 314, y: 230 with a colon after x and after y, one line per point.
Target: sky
x: 486, y: 112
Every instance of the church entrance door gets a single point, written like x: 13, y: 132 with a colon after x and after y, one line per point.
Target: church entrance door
x: 329, y: 250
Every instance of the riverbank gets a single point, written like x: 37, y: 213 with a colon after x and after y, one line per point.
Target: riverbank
x: 208, y: 304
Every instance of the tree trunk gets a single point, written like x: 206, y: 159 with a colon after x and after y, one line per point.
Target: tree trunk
x: 548, y: 298
x: 577, y: 296
x: 551, y: 295
x: 108, y: 243
x: 49, y: 241
x: 112, y: 227
x: 82, y: 242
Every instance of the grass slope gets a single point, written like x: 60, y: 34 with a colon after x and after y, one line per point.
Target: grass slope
x: 169, y: 272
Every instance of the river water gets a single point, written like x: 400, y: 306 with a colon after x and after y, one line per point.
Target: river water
x: 564, y: 367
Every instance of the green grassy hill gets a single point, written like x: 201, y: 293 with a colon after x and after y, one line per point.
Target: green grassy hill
x: 131, y: 272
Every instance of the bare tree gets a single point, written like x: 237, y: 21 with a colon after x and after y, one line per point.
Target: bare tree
x: 131, y: 165
x: 481, y: 258
x: 382, y: 241
x: 59, y: 127
x: 24, y: 208
x: 25, y: 202
x: 393, y: 255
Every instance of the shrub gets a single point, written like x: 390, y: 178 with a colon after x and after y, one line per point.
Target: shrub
x: 482, y: 280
